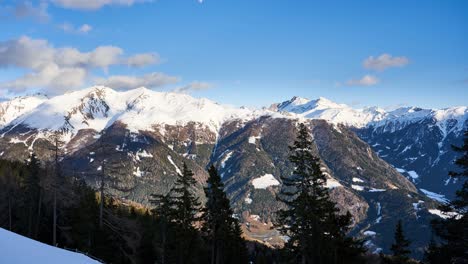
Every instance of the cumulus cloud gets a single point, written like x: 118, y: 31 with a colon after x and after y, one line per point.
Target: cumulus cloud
x: 384, y: 61
x: 56, y: 79
x: 59, y: 67
x: 366, y: 80
x: 143, y: 59
x: 125, y: 82
x: 92, y: 4
x: 69, y: 28
x: 26, y: 9
x: 193, y: 86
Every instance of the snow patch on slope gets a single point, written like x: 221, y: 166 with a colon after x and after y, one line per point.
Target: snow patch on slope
x: 173, y: 164
x: 265, y: 181
x: 435, y: 196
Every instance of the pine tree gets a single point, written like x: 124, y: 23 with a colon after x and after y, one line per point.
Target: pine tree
x: 185, y: 206
x: 57, y: 178
x: 222, y: 229
x: 164, y: 213
x: 400, y: 246
x: 431, y: 254
x: 33, y: 191
x: 317, y: 234
x: 454, y: 230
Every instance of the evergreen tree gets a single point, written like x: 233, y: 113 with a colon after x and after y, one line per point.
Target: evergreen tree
x: 223, y: 230
x: 400, y: 246
x: 454, y: 230
x: 146, y: 249
x: 57, y: 179
x: 185, y: 206
x: 431, y: 254
x: 164, y: 237
x: 317, y: 234
x: 33, y: 191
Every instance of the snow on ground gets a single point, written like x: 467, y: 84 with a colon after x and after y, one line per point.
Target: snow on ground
x: 138, y: 172
x: 400, y: 170
x: 369, y: 233
x: 332, y: 183
x: 248, y: 200
x: 376, y: 190
x: 413, y: 174
x: 444, y: 215
x: 253, y: 140
x: 226, y: 158
x: 355, y: 179
x: 22, y: 250
x: 379, y: 213
x: 265, y: 181
x: 144, y: 154
x: 173, y: 164
x: 435, y: 196
x: 417, y: 206
x: 357, y: 187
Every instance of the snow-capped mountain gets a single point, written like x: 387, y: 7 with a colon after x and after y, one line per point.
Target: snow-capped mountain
x: 99, y: 107
x: 9, y: 110
x: 448, y: 120
x: 416, y: 141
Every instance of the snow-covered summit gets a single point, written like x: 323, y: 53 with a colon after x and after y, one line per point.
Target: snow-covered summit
x: 98, y: 107
x: 17, y: 106
x: 322, y: 108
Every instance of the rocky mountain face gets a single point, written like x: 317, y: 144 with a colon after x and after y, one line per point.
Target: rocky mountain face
x: 141, y: 138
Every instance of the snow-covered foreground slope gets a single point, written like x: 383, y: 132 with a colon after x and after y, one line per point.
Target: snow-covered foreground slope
x: 16, y: 249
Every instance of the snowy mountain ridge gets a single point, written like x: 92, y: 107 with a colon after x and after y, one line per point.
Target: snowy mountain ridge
x: 9, y: 110
x: 452, y: 118
x: 99, y: 107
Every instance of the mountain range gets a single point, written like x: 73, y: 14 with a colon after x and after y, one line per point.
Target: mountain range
x: 381, y: 165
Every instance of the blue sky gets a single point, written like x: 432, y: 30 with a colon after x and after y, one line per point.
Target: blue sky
x: 244, y: 52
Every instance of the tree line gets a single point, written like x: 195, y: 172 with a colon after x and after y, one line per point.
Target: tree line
x: 40, y: 201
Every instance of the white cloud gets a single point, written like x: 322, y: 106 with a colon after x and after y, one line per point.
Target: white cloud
x: 69, y: 28
x: 366, y: 80
x: 52, y: 76
x: 60, y: 68
x: 384, y: 61
x: 143, y: 59
x: 125, y: 82
x: 92, y: 4
x: 85, y: 28
x: 26, y: 9
x: 193, y: 86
